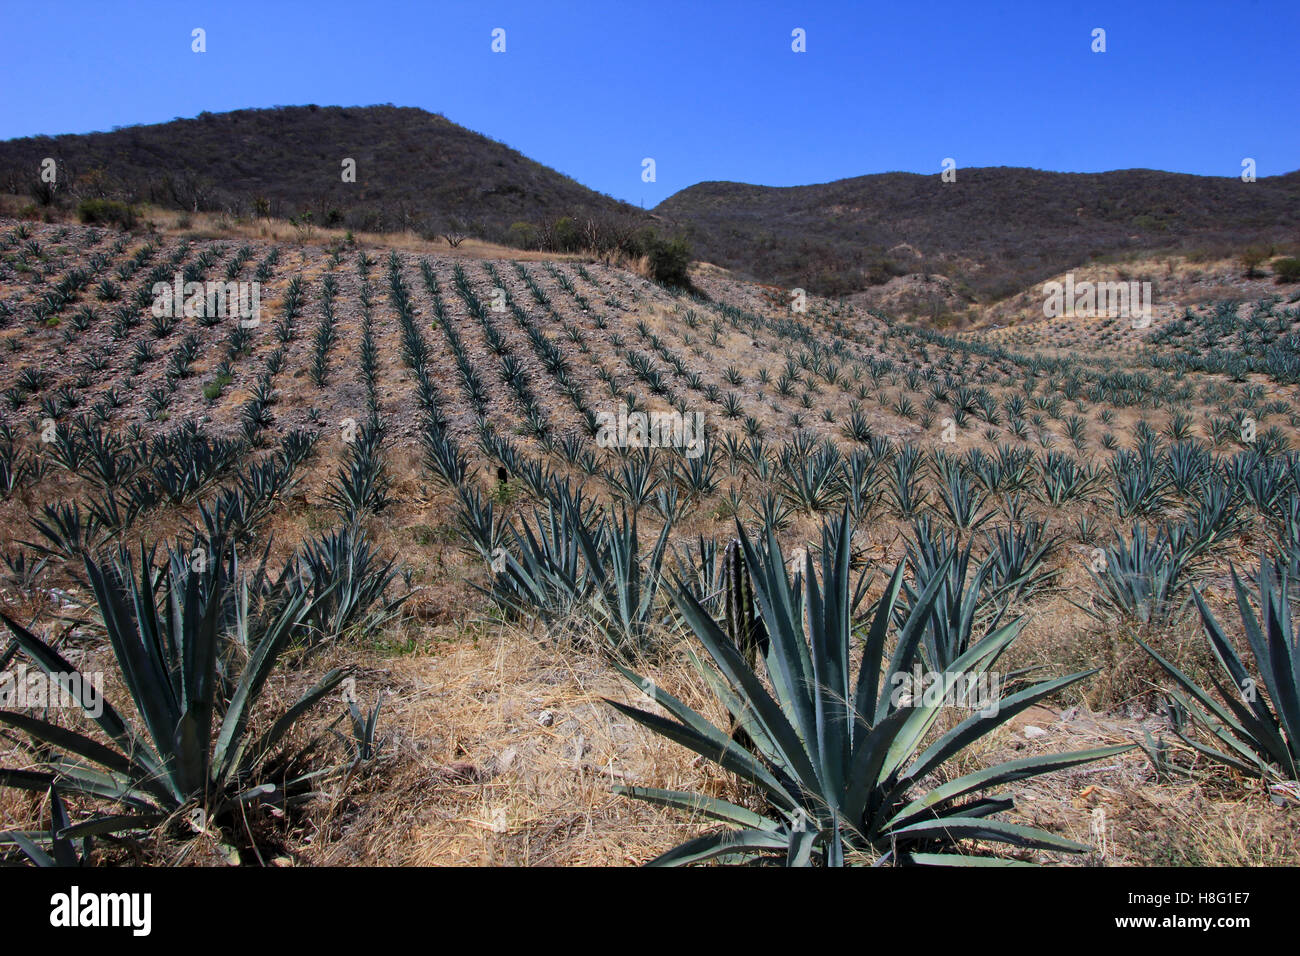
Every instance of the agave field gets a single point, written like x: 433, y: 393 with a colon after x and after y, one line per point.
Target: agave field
x: 363, y: 580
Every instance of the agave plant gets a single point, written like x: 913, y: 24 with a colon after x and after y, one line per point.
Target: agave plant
x: 637, y: 479
x: 547, y: 573
x: 197, y: 749
x: 962, y: 501
x: 14, y: 468
x: 348, y: 582
x: 478, y: 522
x: 63, y: 851
x: 443, y: 457
x: 905, y: 491
x: 843, y: 764
x: 1144, y: 578
x: 364, y: 743
x: 1018, y: 556
x: 68, y: 534
x: 626, y: 585
x: 812, y: 482
x: 1063, y: 478
x: 1246, y: 733
x: 861, y: 481
x: 965, y: 601
x: 362, y: 484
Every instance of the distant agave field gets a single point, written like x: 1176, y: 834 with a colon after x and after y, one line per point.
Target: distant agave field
x: 219, y: 513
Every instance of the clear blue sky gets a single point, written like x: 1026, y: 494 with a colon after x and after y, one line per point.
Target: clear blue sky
x: 709, y: 90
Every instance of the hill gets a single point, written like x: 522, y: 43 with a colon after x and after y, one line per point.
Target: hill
x: 388, y: 477
x: 911, y: 244
x: 414, y: 169
x: 992, y: 231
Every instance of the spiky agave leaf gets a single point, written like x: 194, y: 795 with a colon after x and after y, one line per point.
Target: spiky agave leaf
x: 624, y: 598
x: 840, y: 763
x: 1247, y: 733
x: 196, y: 748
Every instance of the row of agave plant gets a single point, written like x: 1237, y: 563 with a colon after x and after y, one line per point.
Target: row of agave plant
x: 854, y: 348
x: 126, y: 317
x: 1230, y: 339
x: 833, y: 768
x: 810, y: 475
x: 196, y: 642
x: 196, y: 639
x: 573, y: 562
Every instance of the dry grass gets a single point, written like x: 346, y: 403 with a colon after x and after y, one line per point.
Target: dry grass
x: 500, y: 749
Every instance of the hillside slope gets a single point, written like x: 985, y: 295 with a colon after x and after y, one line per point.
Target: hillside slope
x: 382, y: 410
x: 990, y: 233
x: 993, y: 229
x: 414, y: 169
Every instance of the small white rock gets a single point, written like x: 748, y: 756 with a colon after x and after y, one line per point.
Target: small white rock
x: 1031, y: 732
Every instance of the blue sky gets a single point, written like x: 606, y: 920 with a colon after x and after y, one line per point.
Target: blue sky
x: 709, y: 90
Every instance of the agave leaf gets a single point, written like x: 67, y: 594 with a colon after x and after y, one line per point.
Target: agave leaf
x: 1251, y: 765
x: 913, y: 631
x: 50, y: 661
x: 962, y: 859
x: 65, y: 854
x: 81, y: 778
x: 1207, y: 704
x: 739, y: 710
x: 800, y: 844
x: 788, y: 660
x: 978, y: 724
x: 1273, y: 654
x: 32, y: 850
x: 715, y: 747
x: 141, y: 669
x: 701, y: 804
x: 682, y: 712
x: 870, y: 752
x: 973, y: 662
x: 78, y: 744
x: 996, y: 831
x: 830, y: 633
x: 251, y: 681
x: 747, y: 685
x: 108, y: 823
x: 740, y: 843
x: 1227, y: 655
x: 996, y: 776
x: 866, y: 696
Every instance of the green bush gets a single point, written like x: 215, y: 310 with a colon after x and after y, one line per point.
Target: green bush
x: 522, y: 235
x: 1251, y: 259
x: 566, y: 236
x: 669, y: 260
x: 107, y: 211
x: 1286, y: 270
